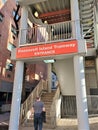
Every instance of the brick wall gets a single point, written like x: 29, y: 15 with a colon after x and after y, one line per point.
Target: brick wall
x: 6, y: 36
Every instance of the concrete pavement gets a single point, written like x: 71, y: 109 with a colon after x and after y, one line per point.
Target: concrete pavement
x: 4, y: 118
x: 69, y: 124
x: 63, y: 124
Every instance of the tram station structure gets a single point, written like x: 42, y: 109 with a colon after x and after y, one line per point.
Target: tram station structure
x: 62, y: 33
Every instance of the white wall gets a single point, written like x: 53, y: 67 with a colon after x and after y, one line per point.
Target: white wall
x: 65, y: 73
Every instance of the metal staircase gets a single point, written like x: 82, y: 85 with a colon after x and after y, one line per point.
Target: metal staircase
x: 87, y: 21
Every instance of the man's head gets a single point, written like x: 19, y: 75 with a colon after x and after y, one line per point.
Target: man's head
x: 38, y: 98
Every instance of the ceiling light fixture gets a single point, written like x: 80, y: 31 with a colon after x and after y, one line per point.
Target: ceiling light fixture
x: 45, y: 22
x: 50, y: 61
x: 36, y: 14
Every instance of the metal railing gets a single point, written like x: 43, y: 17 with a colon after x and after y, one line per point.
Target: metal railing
x: 92, y: 101
x: 69, y: 106
x: 47, y: 33
x: 27, y: 105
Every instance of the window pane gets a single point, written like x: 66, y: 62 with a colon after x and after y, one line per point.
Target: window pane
x: 17, y: 16
x: 13, y: 30
x: 1, y: 17
x: 3, y: 1
x: 10, y: 46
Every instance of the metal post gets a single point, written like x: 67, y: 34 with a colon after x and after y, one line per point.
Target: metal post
x: 82, y: 109
x: 16, y: 98
x: 18, y: 80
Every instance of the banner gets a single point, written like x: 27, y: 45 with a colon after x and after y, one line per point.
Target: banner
x: 48, y: 49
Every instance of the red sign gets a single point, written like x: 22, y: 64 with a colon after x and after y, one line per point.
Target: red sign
x: 47, y: 49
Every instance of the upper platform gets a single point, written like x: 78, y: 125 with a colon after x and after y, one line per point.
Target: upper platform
x: 52, y: 25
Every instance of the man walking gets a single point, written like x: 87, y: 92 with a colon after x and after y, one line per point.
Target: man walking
x: 38, y: 108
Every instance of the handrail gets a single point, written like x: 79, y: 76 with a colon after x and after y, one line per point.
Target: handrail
x: 53, y: 107
x: 26, y: 106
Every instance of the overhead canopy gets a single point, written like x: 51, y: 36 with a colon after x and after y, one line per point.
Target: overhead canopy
x: 52, y: 11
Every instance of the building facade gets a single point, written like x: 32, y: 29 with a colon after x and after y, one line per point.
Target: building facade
x: 10, y: 15
x: 9, y: 18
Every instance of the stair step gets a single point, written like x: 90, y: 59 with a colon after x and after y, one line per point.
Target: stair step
x: 47, y: 98
x: 30, y: 121
x: 47, y: 101
x: 87, y: 12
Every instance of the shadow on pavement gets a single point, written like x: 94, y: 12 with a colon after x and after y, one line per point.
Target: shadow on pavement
x: 3, y: 127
